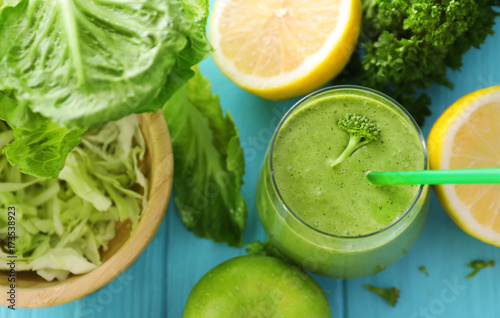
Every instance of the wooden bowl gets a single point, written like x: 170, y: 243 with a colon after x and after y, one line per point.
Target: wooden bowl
x: 32, y: 291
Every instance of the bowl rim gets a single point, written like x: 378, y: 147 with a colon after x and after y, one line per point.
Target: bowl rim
x: 155, y: 131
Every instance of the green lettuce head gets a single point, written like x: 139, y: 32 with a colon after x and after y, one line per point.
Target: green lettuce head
x: 67, y: 66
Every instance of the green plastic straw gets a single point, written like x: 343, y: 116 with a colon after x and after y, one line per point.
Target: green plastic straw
x: 455, y: 176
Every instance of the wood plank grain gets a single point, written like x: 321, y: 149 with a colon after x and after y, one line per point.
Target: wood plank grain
x: 443, y: 248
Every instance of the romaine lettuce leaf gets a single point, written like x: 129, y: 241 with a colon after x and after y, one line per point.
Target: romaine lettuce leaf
x: 85, y: 63
x: 208, y: 163
x: 67, y: 66
x: 39, y: 148
x: 42, y: 151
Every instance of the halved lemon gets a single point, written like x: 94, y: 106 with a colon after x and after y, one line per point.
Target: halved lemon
x: 467, y: 135
x: 279, y: 49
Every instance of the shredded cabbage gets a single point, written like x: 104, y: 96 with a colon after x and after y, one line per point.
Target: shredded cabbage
x: 63, y: 223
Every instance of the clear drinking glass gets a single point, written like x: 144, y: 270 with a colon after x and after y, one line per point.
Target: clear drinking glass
x: 333, y: 255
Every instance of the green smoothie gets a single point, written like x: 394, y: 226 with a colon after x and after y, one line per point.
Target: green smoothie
x: 340, y: 200
x: 331, y: 220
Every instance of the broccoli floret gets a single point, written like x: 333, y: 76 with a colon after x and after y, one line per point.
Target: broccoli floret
x: 389, y: 294
x: 267, y: 248
x: 361, y: 131
x: 477, y: 266
x: 423, y: 270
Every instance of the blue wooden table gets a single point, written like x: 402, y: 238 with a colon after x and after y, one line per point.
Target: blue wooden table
x: 159, y: 282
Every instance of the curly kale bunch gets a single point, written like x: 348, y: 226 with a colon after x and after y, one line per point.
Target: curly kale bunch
x: 406, y: 45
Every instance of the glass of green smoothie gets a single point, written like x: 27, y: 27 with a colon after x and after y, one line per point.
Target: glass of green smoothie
x: 329, y: 219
